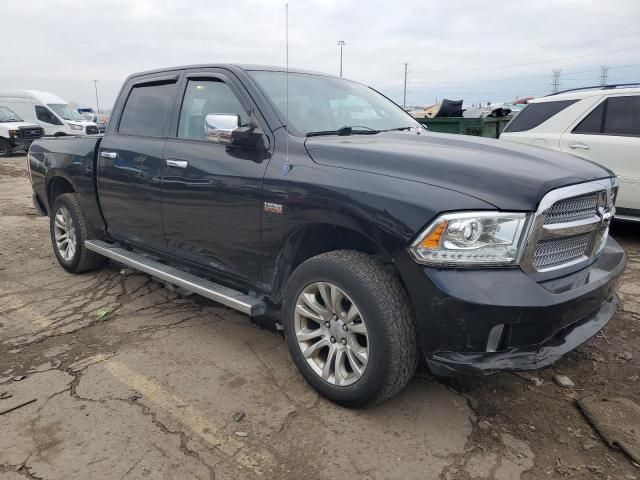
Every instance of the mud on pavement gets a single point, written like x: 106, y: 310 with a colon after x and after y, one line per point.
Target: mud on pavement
x: 132, y: 381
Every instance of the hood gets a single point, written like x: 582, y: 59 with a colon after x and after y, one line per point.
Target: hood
x: 507, y: 175
x: 84, y: 123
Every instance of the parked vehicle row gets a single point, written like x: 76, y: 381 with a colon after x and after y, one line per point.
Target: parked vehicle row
x: 52, y: 113
x: 378, y: 241
x: 597, y: 124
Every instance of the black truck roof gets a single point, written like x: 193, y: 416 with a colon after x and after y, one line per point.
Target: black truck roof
x: 231, y: 66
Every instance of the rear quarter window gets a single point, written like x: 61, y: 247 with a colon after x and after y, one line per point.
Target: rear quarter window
x: 535, y: 114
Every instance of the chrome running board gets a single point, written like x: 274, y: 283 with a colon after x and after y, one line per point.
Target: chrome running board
x: 226, y: 296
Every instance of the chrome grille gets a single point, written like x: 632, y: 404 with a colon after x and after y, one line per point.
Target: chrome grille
x: 558, y: 251
x: 571, y: 226
x: 573, y: 209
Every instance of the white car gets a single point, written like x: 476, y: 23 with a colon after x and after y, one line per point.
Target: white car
x: 601, y: 124
x: 52, y: 113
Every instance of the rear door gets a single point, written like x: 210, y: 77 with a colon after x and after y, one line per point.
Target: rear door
x: 609, y: 134
x: 130, y: 160
x: 212, y: 192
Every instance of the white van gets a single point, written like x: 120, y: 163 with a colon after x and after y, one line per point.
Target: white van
x: 52, y: 113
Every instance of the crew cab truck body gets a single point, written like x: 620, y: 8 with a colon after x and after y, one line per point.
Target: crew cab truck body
x: 377, y: 240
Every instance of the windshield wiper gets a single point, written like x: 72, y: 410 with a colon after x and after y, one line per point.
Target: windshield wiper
x: 400, y: 129
x: 343, y: 131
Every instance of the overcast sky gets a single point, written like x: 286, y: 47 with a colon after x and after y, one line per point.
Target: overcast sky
x: 457, y: 49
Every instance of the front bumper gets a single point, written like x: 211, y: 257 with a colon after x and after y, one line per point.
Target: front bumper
x: 490, y: 320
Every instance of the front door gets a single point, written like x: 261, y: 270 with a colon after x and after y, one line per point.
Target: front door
x: 610, y: 135
x: 48, y: 121
x: 130, y: 162
x: 212, y: 191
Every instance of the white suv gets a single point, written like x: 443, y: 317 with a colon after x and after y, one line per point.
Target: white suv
x: 601, y: 124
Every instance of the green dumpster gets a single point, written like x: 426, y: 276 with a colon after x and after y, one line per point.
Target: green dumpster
x: 489, y: 127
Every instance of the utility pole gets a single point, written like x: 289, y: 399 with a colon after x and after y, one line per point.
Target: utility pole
x: 555, y: 83
x: 604, y: 75
x: 341, y: 43
x: 404, y: 98
x: 95, y: 84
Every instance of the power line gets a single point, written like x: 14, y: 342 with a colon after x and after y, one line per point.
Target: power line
x: 565, y: 75
x: 532, y: 63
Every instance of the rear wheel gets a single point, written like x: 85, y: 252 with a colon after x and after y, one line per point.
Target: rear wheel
x: 350, y: 328
x: 5, y: 148
x: 69, y: 229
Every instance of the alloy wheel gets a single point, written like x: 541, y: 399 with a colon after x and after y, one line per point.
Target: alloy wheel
x: 65, y: 234
x: 331, y: 334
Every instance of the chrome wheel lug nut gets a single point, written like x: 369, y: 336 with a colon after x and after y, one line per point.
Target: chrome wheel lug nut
x: 327, y: 324
x: 344, y: 341
x: 333, y: 339
x: 345, y: 328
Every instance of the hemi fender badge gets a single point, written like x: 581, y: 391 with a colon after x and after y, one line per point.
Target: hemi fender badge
x: 273, y: 207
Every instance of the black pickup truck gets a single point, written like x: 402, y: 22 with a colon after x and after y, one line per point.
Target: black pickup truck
x: 379, y: 243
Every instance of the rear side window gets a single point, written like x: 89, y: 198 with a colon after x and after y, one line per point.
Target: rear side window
x: 535, y: 114
x: 622, y: 116
x: 148, y: 110
x: 615, y: 116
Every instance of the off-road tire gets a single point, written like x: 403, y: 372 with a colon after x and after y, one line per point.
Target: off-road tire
x: 83, y: 260
x: 391, y: 327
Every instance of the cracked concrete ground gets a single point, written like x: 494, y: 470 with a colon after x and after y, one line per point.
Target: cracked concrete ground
x: 131, y: 381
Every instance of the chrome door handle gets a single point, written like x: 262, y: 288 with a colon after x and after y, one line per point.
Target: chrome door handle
x: 177, y: 163
x: 581, y: 146
x: 111, y: 155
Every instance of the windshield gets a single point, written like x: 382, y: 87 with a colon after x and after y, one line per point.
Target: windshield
x: 326, y: 104
x: 65, y: 111
x: 8, y: 115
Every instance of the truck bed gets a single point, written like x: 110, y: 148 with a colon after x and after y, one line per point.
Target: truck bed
x: 57, y: 163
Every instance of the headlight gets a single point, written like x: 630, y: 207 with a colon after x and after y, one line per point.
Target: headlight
x: 76, y: 127
x: 13, y: 133
x: 471, y: 238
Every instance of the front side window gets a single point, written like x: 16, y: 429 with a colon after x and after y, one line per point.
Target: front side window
x: 318, y: 103
x: 8, y: 115
x: 535, y: 114
x: 207, y: 97
x: 623, y: 116
x: 147, y: 110
x: 44, y: 115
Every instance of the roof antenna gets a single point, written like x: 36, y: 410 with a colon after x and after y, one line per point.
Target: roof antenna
x: 286, y: 127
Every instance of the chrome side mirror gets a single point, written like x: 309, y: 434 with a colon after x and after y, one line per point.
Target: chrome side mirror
x: 218, y: 127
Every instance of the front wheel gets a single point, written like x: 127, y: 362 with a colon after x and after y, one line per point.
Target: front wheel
x: 5, y: 148
x: 350, y: 328
x: 69, y: 229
